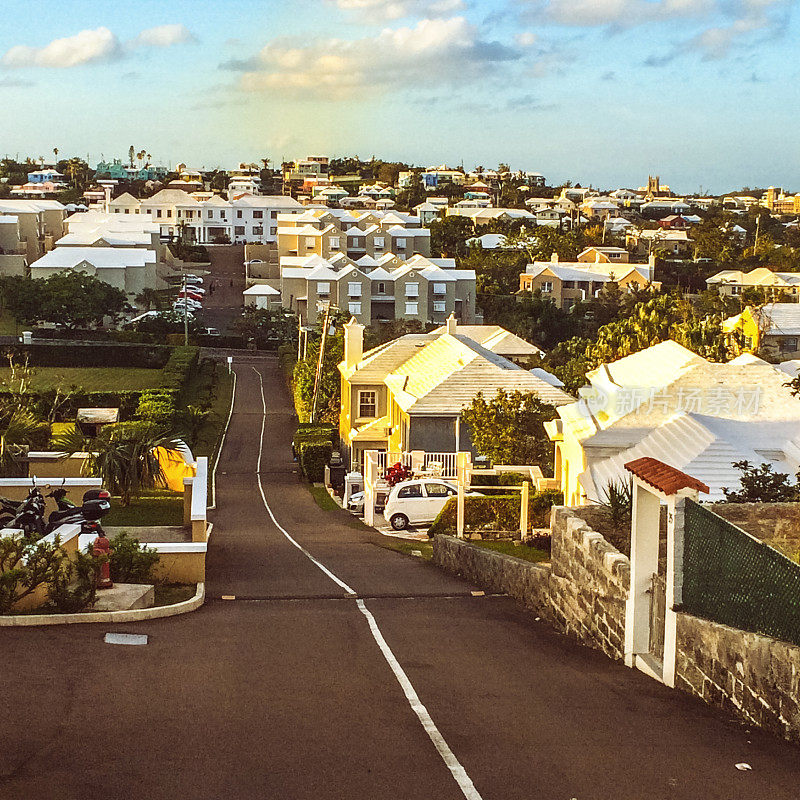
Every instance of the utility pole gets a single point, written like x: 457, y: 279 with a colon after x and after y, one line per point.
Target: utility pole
x: 185, y: 309
x: 758, y: 228
x: 318, y: 376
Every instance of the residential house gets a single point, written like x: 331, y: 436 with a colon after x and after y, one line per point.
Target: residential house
x: 408, y: 394
x: 117, y: 170
x: 262, y: 296
x: 668, y: 403
x: 13, y: 248
x: 427, y: 212
x: 781, y: 286
x: 771, y: 331
x: 40, y: 223
x: 644, y: 242
x: 569, y: 282
x: 126, y: 268
x: 482, y: 216
x: 602, y: 254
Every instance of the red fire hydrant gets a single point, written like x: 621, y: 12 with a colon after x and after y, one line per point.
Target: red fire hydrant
x: 102, y: 547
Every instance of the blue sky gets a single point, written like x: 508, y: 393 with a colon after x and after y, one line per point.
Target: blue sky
x: 702, y: 92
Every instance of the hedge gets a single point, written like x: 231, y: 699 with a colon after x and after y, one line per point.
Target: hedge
x: 496, y: 513
x: 182, y: 363
x: 68, y: 353
x: 313, y: 456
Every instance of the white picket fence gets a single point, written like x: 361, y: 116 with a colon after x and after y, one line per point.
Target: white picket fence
x: 440, y: 464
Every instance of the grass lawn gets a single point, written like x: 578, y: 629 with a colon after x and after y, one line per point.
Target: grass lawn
x: 510, y: 549
x: 323, y: 499
x: 153, y: 508
x: 91, y: 379
x: 208, y: 439
x: 168, y: 594
x: 408, y: 546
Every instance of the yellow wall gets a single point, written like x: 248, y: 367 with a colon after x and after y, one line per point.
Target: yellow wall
x: 181, y: 568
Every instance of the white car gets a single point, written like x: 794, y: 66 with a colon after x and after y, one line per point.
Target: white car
x: 417, y: 502
x: 182, y: 307
x: 187, y: 301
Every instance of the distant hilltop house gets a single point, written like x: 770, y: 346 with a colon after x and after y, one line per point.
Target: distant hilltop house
x: 118, y: 170
x: 380, y: 290
x: 479, y: 215
x: 569, y: 282
x: 644, y: 242
x: 408, y: 394
x: 47, y: 176
x: 668, y: 403
x: 784, y: 286
x: 771, y: 331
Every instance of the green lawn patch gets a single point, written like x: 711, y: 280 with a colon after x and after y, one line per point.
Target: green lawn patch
x: 407, y: 547
x: 90, y: 379
x: 323, y: 499
x: 152, y: 509
x: 210, y: 435
x: 168, y: 594
x: 523, y: 551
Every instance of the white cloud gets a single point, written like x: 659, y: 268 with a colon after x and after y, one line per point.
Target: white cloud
x: 526, y: 39
x: 617, y: 13
x: 82, y: 48
x: 163, y: 36
x: 382, y: 10
x: 432, y: 51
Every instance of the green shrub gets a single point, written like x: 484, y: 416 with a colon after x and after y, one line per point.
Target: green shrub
x: 97, y: 354
x: 497, y: 513
x: 157, y: 406
x: 75, y: 586
x: 131, y: 562
x: 181, y: 365
x: 313, y: 456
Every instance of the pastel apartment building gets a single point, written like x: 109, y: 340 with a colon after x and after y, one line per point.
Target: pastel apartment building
x: 569, y: 282
x: 375, y: 291
x: 210, y: 219
x: 39, y: 225
x: 324, y: 232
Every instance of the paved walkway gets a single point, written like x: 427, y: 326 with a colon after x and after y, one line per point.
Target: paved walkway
x: 299, y: 689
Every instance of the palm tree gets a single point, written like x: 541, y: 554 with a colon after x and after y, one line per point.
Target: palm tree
x: 19, y: 430
x: 124, y: 456
x: 55, y: 153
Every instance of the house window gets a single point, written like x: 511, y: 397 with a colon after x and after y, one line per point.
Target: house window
x: 179, y: 213
x: 239, y: 230
x: 222, y: 215
x: 790, y: 345
x: 323, y: 287
x: 547, y: 287
x: 258, y: 215
x: 273, y: 231
x: 334, y: 242
x: 354, y: 308
x: 127, y: 211
x: 381, y: 288
x: 210, y: 215
x: 439, y: 305
x: 169, y: 212
x: 440, y: 288
x: 158, y: 212
x: 310, y: 241
x: 569, y: 284
x: 367, y: 403
x: 354, y: 289
x: 736, y: 289
x: 238, y: 214
x: 401, y: 244
x: 412, y: 308
x: 412, y: 290
x: 378, y: 241
x: 258, y: 230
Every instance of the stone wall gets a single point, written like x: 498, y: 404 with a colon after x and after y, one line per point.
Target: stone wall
x: 582, y: 592
x: 750, y: 675
x: 777, y: 524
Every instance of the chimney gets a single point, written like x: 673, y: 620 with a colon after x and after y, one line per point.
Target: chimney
x: 353, y: 343
x: 651, y: 264
x: 554, y: 258
x: 451, y: 324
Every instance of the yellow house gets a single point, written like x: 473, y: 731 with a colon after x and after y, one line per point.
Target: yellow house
x: 408, y: 394
x: 771, y: 331
x: 732, y: 282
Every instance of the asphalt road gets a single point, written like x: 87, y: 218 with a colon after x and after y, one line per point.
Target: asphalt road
x: 224, y: 306
x: 285, y: 691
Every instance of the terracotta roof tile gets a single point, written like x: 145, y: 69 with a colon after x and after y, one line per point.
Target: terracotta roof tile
x: 663, y: 477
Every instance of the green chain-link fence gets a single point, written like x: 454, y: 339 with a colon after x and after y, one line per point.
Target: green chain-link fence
x: 732, y: 578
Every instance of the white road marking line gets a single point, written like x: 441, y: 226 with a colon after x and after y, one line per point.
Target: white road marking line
x: 213, y: 505
x: 453, y: 764
x: 277, y: 524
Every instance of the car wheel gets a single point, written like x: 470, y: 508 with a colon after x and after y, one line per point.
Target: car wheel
x: 399, y: 522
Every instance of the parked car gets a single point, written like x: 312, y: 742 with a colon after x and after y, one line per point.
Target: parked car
x: 210, y: 332
x: 417, y: 502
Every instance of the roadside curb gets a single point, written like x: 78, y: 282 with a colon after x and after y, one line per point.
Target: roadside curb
x: 134, y: 615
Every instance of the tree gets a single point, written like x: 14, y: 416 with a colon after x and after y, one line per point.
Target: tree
x: 131, y: 154
x: 509, y: 428
x: 25, y: 566
x: 763, y: 485
x: 330, y: 389
x: 150, y: 298
x: 449, y: 236
x: 263, y: 325
x: 69, y: 298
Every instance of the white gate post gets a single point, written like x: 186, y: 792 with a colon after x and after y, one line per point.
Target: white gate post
x: 523, y: 510
x: 370, y: 479
x: 462, y: 469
